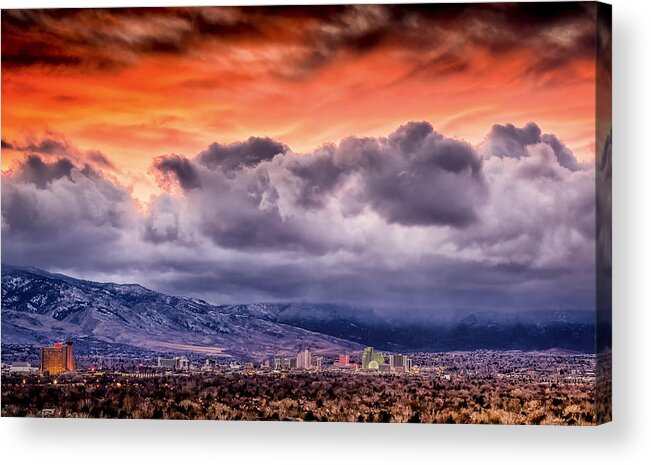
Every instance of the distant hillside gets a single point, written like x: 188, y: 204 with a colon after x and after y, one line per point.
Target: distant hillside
x: 40, y: 307
x: 527, y: 330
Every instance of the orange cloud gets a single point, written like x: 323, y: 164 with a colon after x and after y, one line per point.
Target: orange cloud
x: 137, y: 83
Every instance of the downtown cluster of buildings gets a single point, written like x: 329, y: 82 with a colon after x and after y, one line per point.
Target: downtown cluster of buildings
x: 371, y: 361
x: 376, y: 361
x: 304, y: 360
x: 59, y: 358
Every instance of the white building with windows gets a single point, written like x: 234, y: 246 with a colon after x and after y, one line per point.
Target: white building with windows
x: 304, y: 359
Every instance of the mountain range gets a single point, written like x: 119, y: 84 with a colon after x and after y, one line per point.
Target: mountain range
x: 39, y: 307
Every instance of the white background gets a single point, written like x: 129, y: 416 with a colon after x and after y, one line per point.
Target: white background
x: 626, y: 440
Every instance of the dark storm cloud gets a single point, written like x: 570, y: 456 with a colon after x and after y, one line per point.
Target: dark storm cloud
x: 256, y: 200
x: 35, y: 171
x: 318, y: 175
x: 541, y: 214
x: 507, y: 140
x: 563, y: 154
x: 53, y: 146
x: 410, y: 222
x: 243, y: 211
x: 240, y: 154
x: 413, y: 177
x: 432, y: 286
x: 52, y: 208
x: 425, y: 180
x: 604, y: 48
x: 102, y: 39
x: 604, y: 239
x: 181, y: 168
x: 498, y: 28
x: 251, y: 229
x: 46, y: 146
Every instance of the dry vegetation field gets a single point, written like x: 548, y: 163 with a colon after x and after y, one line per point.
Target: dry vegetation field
x: 305, y: 397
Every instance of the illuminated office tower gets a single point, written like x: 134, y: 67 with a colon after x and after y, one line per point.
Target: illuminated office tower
x: 57, y: 359
x: 304, y: 359
x: 344, y: 360
x: 182, y: 363
x: 367, y: 356
x: 399, y: 363
x: 70, y: 357
x: 407, y: 364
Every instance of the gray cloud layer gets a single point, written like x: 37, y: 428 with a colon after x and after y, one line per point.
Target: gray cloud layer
x: 510, y: 141
x: 410, y: 222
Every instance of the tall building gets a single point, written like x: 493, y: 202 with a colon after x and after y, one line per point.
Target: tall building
x: 304, y: 359
x: 70, y: 357
x: 182, y: 363
x: 344, y: 360
x: 369, y: 356
x: 396, y: 360
x: 57, y: 359
x: 407, y: 364
x: 281, y: 362
x: 399, y: 363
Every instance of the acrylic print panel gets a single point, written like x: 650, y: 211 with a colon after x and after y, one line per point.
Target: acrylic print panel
x: 364, y: 213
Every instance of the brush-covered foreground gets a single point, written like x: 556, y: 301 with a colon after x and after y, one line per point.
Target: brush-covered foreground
x: 303, y: 397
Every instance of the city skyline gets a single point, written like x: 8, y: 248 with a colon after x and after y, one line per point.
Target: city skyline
x: 360, y: 213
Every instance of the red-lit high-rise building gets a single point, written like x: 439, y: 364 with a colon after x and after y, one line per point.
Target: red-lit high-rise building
x: 57, y: 359
x: 70, y: 357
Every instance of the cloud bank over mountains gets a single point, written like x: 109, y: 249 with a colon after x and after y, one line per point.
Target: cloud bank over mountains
x: 414, y: 222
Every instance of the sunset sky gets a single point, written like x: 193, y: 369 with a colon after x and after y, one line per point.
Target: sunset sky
x: 271, y: 153
x: 137, y: 83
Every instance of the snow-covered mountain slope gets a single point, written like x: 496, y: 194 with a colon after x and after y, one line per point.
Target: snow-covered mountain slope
x: 524, y: 330
x: 39, y: 307
x: 354, y: 324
